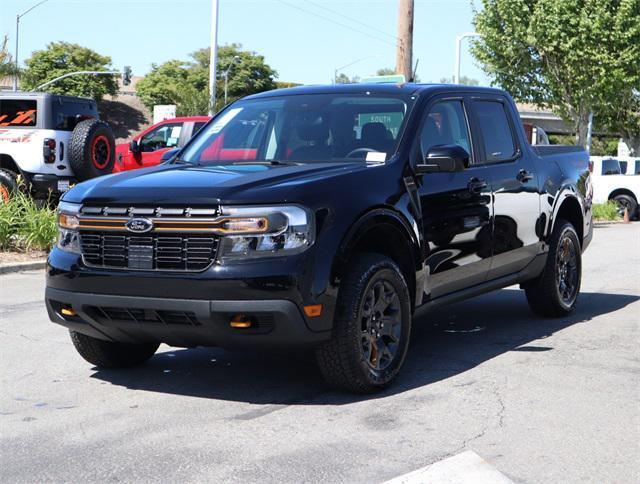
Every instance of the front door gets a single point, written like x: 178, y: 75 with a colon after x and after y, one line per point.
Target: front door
x: 156, y: 142
x: 516, y: 202
x: 456, y: 207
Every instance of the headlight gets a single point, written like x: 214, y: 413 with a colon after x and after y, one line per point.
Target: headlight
x: 251, y: 232
x: 68, y: 238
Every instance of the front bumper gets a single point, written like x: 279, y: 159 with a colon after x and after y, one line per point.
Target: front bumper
x: 190, y: 309
x: 181, y: 322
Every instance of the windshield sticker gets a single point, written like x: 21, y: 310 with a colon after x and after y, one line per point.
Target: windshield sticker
x: 376, y: 156
x: 224, y: 120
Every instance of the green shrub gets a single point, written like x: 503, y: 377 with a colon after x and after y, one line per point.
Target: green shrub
x: 606, y: 211
x: 26, y: 224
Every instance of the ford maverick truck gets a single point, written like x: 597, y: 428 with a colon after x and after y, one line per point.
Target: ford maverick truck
x: 321, y: 218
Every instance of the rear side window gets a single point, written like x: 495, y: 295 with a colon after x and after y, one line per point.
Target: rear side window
x: 637, y: 170
x: 499, y: 144
x: 67, y: 114
x: 623, y: 167
x: 611, y: 167
x: 18, y: 112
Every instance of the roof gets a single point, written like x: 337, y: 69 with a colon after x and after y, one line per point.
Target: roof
x: 32, y: 94
x: 405, y: 88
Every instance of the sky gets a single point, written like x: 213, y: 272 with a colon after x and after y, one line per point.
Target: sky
x: 304, y: 40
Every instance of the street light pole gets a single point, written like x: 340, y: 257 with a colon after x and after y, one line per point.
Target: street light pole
x: 459, y: 39
x: 236, y: 60
x: 213, y: 57
x: 335, y: 71
x: 18, y: 16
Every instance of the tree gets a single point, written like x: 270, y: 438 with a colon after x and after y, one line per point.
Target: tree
x: 467, y: 81
x: 62, y: 58
x: 625, y: 119
x: 573, y: 56
x: 386, y: 71
x: 7, y: 67
x: 186, y: 84
x: 342, y: 78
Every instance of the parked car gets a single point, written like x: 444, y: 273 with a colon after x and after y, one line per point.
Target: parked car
x: 611, y: 183
x: 146, y: 149
x: 321, y: 218
x: 51, y: 141
x: 535, y: 134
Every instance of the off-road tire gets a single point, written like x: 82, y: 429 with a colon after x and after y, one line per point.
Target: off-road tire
x: 8, y: 185
x: 543, y: 293
x: 343, y: 360
x: 628, y: 202
x: 92, y: 149
x: 106, y: 354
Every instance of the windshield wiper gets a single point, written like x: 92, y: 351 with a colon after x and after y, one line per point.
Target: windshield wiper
x: 264, y: 162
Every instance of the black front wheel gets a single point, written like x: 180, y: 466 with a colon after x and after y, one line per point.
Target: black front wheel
x: 628, y: 203
x: 555, y: 292
x: 107, y: 354
x: 371, y: 328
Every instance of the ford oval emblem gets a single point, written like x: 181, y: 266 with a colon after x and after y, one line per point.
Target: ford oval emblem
x: 139, y: 225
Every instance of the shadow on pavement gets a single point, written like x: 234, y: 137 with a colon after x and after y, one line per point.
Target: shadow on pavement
x: 446, y: 342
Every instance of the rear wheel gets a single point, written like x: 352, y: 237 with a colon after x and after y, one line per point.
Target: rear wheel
x: 555, y: 292
x: 107, y: 354
x: 92, y: 150
x: 8, y: 185
x: 371, y: 329
x: 626, y: 202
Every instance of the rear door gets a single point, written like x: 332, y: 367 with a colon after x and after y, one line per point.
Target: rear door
x: 514, y: 186
x: 456, y: 207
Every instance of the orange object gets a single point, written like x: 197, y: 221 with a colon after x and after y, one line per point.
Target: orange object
x: 313, y: 311
x: 240, y: 321
x: 625, y: 217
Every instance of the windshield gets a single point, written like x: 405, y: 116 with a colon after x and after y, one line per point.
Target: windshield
x: 303, y: 128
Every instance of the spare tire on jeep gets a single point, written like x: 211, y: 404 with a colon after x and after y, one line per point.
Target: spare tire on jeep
x: 92, y: 150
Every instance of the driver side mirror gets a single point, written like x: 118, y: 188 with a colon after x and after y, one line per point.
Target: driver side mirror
x: 444, y: 158
x: 134, y: 147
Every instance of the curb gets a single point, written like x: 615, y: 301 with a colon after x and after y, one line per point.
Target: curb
x: 23, y: 266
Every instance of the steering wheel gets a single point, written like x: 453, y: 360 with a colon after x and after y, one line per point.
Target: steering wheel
x: 357, y: 151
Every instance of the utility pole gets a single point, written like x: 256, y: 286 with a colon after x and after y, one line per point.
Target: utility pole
x: 404, y: 49
x: 213, y: 57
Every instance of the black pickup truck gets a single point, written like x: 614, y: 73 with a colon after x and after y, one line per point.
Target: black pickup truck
x: 321, y: 217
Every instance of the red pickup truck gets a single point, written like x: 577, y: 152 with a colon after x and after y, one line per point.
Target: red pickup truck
x: 147, y: 148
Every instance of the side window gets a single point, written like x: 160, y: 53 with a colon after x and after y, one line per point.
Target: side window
x: 623, y: 167
x: 496, y: 131
x: 446, y: 124
x: 165, y: 136
x: 611, y: 167
x: 196, y: 127
x: 637, y: 170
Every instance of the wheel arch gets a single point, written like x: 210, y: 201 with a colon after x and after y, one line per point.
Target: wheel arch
x: 570, y: 210
x: 383, y: 231
x: 8, y: 163
x: 622, y: 191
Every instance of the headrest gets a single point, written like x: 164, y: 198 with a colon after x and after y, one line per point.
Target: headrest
x: 374, y: 131
x: 312, y: 127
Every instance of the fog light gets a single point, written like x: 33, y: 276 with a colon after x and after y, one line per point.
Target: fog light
x: 240, y: 321
x: 68, y: 311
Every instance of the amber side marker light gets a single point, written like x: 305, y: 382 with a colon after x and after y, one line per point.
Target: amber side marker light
x: 313, y: 311
x: 240, y: 321
x: 68, y: 312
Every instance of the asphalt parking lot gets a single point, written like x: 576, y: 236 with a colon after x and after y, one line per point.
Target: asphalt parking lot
x: 540, y: 400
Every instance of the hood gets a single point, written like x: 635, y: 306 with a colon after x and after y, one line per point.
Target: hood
x: 230, y: 183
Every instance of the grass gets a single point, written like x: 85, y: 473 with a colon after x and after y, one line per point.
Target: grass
x: 606, y: 211
x: 26, y: 225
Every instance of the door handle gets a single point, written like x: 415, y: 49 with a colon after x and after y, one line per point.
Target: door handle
x: 476, y: 185
x: 524, y: 176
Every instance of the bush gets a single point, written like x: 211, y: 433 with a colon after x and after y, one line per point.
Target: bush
x: 25, y: 225
x: 606, y: 211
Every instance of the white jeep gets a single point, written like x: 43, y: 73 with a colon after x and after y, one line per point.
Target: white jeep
x: 611, y: 183
x: 51, y: 141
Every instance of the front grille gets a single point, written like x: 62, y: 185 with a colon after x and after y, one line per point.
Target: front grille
x: 105, y: 315
x: 148, y: 252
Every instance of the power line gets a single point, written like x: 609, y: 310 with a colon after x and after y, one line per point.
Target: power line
x: 328, y: 19
x: 353, y: 20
